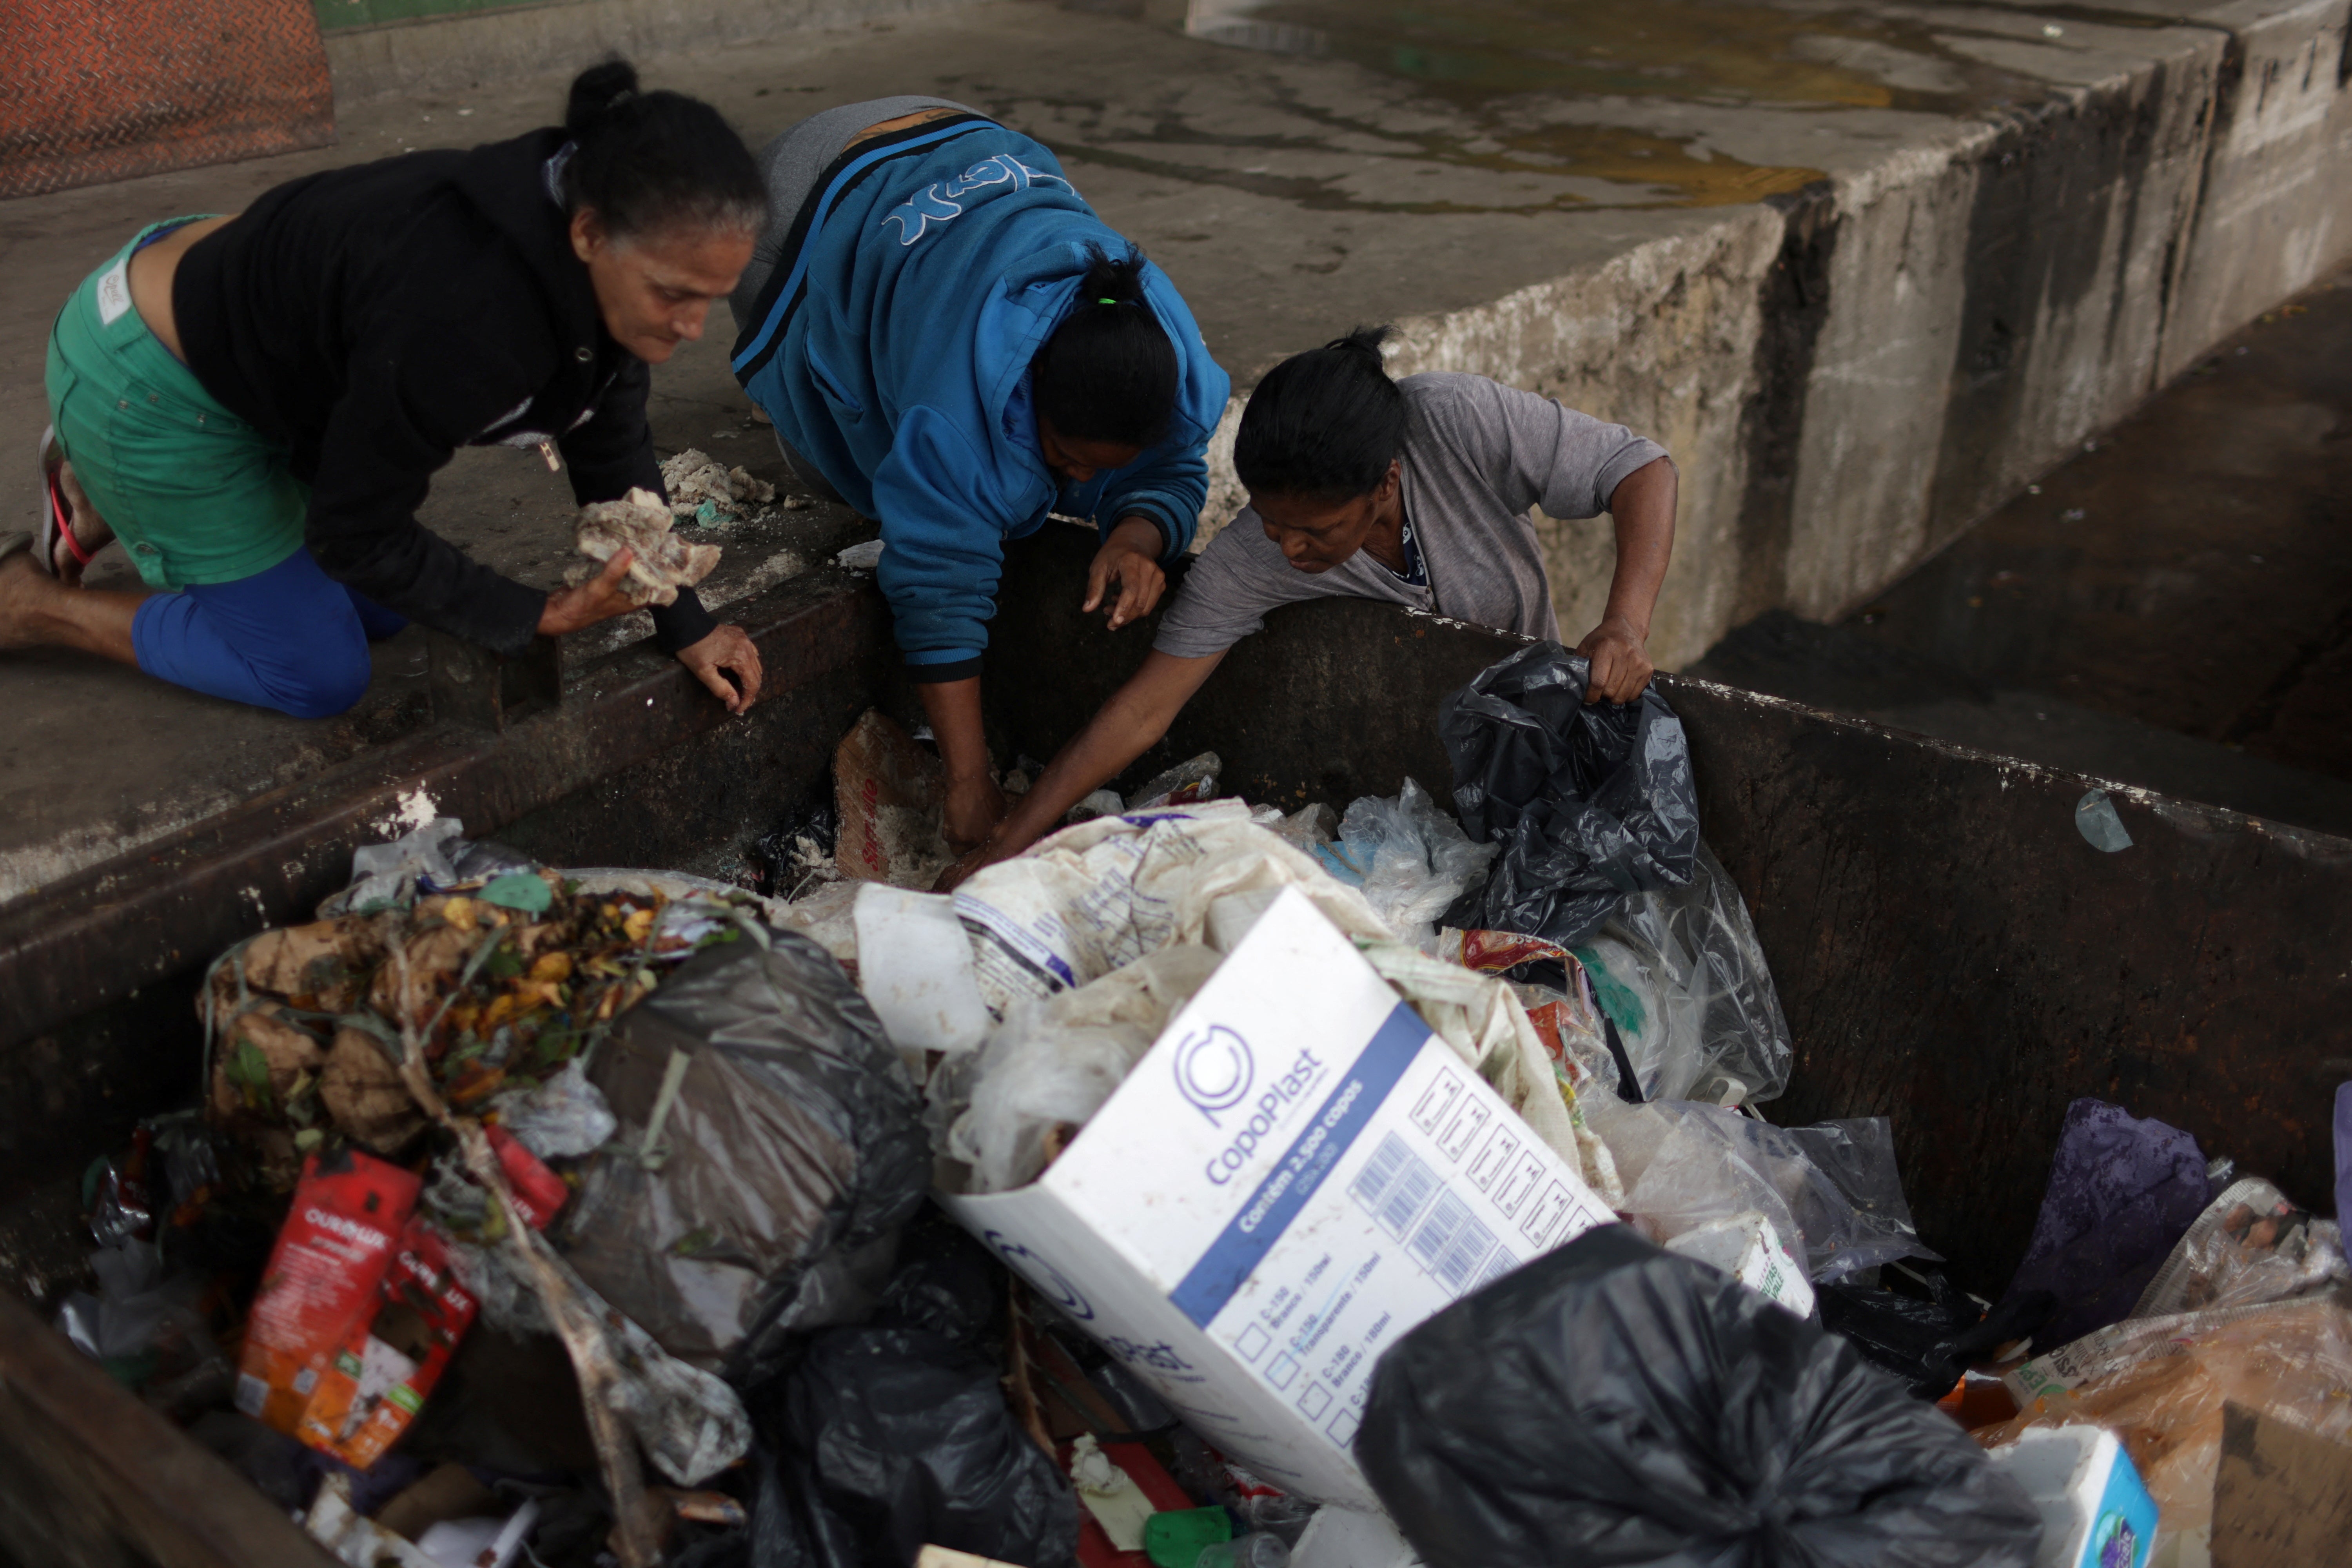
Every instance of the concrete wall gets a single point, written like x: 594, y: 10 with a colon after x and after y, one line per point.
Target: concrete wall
x: 1852, y: 376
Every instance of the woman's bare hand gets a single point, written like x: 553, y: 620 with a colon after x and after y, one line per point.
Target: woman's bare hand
x: 598, y: 599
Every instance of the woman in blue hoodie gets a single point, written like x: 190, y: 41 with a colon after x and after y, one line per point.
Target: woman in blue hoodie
x: 948, y: 339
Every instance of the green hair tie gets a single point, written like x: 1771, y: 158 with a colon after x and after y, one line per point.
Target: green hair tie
x: 1106, y: 302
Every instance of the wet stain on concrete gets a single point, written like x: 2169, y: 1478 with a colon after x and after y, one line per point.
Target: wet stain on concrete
x: 1505, y: 66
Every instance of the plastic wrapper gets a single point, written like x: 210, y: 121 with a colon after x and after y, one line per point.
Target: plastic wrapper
x: 1050, y: 1066
x: 770, y: 1145
x: 1680, y: 972
x: 563, y: 1117
x: 1834, y: 1184
x: 1410, y: 859
x: 1589, y: 802
x: 2122, y: 1191
x: 1098, y: 896
x: 2250, y: 1245
x: 1610, y: 1403
x: 141, y: 1325
x: 2160, y: 1385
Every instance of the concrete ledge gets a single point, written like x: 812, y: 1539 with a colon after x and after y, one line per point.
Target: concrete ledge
x: 456, y: 53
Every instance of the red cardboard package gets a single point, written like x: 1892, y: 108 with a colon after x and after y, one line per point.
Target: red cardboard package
x: 378, y: 1379
x: 331, y: 1258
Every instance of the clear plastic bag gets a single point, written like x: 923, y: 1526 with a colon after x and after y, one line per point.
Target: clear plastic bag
x: 1680, y: 974
x: 2250, y: 1245
x: 563, y: 1117
x: 1834, y: 1185
x: 1411, y: 861
x: 1051, y: 1064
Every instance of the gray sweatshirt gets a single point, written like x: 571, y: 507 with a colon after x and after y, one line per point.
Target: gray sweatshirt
x: 1477, y: 456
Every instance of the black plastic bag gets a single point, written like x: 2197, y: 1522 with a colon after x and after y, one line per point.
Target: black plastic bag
x: 790, y: 1153
x: 884, y: 1440
x: 1590, y: 802
x: 1612, y: 1402
x: 1927, y: 1342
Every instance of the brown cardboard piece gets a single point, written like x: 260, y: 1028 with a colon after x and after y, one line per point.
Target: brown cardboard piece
x: 2282, y: 1497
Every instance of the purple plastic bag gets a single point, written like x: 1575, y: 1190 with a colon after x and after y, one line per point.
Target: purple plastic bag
x: 2344, y: 1154
x: 2122, y: 1191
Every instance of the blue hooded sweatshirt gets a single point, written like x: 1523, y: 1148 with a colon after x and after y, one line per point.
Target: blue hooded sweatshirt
x: 892, y: 345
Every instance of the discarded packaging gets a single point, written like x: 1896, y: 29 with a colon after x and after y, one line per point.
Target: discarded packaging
x: 2096, y: 1513
x: 888, y: 791
x: 1110, y: 1494
x: 1093, y: 898
x: 1296, y: 1170
x: 1612, y: 1403
x: 915, y: 967
x: 2161, y: 1384
x: 1410, y: 859
x: 1746, y: 1246
x: 2250, y: 1245
x: 1589, y: 801
x: 1051, y: 1064
x: 324, y: 1272
x: 1832, y: 1187
x: 377, y: 1380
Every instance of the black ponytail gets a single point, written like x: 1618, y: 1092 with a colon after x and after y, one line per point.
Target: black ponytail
x: 1108, y: 372
x: 1325, y: 423
x: 649, y: 161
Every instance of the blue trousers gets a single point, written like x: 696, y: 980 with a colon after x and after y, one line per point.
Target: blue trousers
x: 291, y: 639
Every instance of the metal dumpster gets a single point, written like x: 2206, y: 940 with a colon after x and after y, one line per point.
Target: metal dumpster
x: 1949, y: 950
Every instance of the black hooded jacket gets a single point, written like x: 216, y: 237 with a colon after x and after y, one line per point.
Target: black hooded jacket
x: 375, y: 319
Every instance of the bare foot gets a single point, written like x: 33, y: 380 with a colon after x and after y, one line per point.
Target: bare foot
x: 88, y: 527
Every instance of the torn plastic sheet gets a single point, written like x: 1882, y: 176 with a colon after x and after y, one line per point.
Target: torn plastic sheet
x: 1834, y: 1185
x: 1100, y: 895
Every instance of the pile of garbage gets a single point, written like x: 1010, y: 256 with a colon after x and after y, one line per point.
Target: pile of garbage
x: 1358, y: 1185
x: 706, y: 493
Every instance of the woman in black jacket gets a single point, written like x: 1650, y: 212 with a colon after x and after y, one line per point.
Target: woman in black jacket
x: 256, y: 405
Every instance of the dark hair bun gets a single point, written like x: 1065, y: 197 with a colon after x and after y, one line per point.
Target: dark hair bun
x: 597, y: 90
x: 1327, y: 423
x: 649, y: 161
x: 1109, y: 372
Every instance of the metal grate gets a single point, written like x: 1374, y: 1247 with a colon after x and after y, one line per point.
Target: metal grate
x: 93, y: 91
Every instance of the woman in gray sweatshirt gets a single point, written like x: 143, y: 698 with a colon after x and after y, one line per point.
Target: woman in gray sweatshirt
x: 1418, y: 493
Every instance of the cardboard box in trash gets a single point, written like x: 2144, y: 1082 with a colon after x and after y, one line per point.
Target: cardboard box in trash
x: 1297, y: 1172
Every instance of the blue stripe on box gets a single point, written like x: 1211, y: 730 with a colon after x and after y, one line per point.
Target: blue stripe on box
x: 1301, y: 1174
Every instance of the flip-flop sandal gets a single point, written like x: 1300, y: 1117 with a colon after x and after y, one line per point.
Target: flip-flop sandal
x: 58, y: 513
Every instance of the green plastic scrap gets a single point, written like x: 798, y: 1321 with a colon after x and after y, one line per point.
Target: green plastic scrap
x: 525, y: 891
x: 1174, y: 1539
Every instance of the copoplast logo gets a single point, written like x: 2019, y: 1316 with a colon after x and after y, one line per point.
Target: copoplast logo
x: 1043, y: 1275
x: 1215, y: 1071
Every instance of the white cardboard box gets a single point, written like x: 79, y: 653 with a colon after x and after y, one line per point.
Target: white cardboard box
x: 1297, y: 1172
